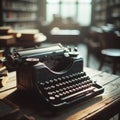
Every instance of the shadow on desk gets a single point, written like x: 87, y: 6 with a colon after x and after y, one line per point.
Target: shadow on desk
x: 31, y: 105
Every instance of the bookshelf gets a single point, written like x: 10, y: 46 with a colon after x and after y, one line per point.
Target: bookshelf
x: 19, y: 14
x: 106, y: 11
x: 113, y: 12
x: 99, y: 12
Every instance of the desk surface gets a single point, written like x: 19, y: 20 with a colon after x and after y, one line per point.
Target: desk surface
x: 90, y: 109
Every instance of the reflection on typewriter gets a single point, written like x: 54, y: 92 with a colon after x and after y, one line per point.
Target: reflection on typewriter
x: 55, y: 73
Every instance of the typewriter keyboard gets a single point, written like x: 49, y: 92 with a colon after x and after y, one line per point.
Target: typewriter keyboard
x: 69, y: 88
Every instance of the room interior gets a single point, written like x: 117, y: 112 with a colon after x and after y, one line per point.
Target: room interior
x: 90, y: 27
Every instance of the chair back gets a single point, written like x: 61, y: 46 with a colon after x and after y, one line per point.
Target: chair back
x: 108, y: 40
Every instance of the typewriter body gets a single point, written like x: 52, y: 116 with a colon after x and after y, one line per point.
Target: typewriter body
x: 55, y: 73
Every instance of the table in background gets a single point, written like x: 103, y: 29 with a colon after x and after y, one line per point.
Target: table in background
x: 65, y: 36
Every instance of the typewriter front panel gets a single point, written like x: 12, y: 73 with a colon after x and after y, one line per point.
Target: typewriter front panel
x: 64, y: 87
x: 52, y: 85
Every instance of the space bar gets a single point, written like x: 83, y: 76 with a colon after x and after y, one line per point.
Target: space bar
x: 80, y: 93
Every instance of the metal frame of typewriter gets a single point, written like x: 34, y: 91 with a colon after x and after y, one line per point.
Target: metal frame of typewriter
x: 33, y: 74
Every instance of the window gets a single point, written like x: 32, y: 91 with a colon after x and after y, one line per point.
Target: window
x: 77, y: 9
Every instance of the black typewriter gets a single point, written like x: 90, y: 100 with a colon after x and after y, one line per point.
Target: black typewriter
x: 55, y: 73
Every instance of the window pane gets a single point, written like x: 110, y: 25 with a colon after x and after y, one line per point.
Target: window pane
x: 84, y: 14
x: 69, y: 1
x: 53, y: 1
x: 52, y: 9
x: 68, y: 10
x: 85, y: 1
x: 80, y: 11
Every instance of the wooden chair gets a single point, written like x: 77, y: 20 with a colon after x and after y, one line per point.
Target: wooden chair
x: 110, y: 50
x: 93, y: 46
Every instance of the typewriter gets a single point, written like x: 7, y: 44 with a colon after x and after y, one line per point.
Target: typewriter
x: 55, y: 73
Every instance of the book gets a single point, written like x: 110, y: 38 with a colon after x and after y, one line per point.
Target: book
x: 1, y: 53
x: 1, y: 58
x: 31, y: 35
x: 4, y: 30
x: 28, y: 34
x: 3, y: 76
x: 7, y: 40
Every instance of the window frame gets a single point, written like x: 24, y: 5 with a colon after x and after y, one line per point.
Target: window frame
x: 75, y: 2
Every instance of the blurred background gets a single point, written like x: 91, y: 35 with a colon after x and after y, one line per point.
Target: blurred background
x: 89, y: 25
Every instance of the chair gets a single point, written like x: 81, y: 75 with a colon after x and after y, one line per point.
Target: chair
x: 110, y: 50
x: 93, y: 46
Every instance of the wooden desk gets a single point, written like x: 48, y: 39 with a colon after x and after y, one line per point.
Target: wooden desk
x: 101, y: 107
